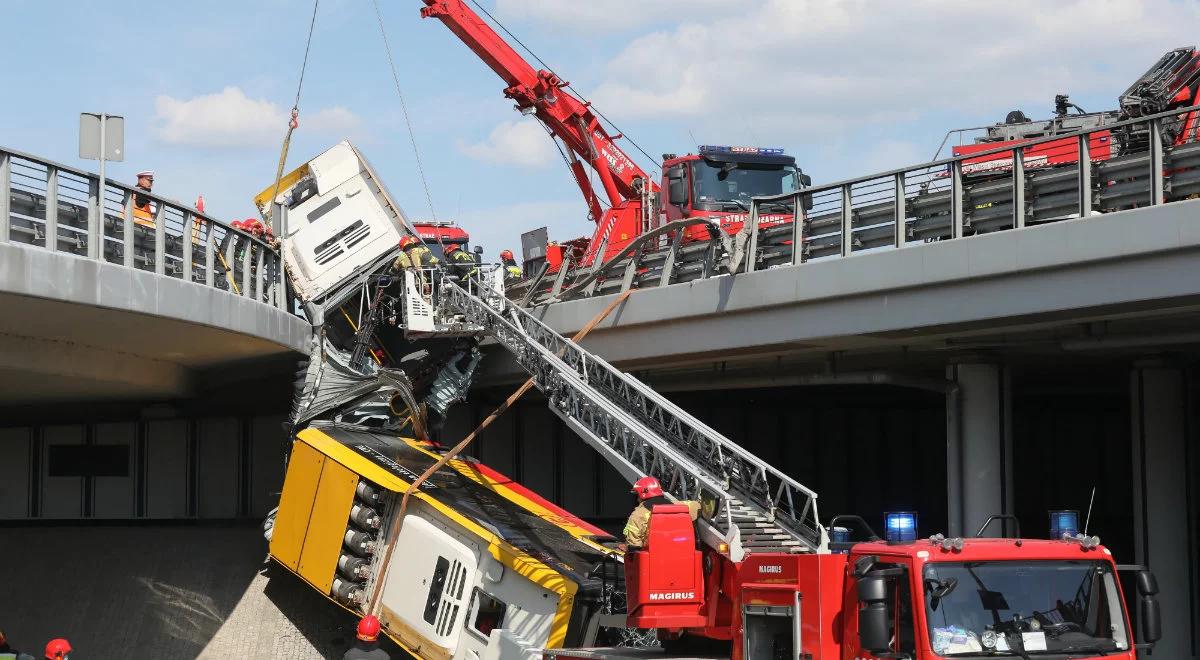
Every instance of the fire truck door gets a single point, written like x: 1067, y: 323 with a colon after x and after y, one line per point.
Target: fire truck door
x: 770, y: 631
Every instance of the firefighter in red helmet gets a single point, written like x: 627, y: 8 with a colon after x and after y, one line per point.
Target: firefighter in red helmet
x: 649, y: 493
x: 511, y: 270
x: 367, y: 646
x: 461, y: 262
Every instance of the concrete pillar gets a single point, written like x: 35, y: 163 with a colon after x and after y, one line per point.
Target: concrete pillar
x: 1161, y: 487
x: 979, y: 448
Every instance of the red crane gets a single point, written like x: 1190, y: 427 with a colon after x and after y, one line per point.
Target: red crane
x: 543, y: 94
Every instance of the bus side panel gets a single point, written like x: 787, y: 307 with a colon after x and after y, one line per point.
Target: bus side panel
x: 296, y: 504
x: 327, y: 525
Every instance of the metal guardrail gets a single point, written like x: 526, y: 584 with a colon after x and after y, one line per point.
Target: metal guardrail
x: 1130, y: 164
x: 53, y: 206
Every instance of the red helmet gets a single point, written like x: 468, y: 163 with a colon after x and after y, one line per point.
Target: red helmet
x: 647, y: 487
x: 57, y: 649
x: 506, y: 254
x: 408, y: 241
x: 236, y: 224
x: 452, y: 247
x: 368, y: 628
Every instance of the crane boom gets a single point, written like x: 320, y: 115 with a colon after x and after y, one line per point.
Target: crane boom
x: 543, y: 93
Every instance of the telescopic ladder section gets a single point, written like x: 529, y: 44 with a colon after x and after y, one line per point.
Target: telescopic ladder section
x: 751, y: 506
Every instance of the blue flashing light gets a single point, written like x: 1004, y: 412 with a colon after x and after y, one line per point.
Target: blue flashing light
x: 839, y: 535
x: 755, y: 151
x: 900, y: 526
x: 1064, y: 522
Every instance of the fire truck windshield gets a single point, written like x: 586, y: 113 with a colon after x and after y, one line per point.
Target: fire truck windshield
x: 726, y: 186
x: 977, y: 609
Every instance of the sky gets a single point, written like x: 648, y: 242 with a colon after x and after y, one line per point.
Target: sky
x: 849, y: 87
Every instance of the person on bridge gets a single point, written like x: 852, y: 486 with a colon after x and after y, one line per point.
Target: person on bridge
x: 142, y: 213
x: 650, y: 493
x: 9, y: 653
x: 58, y: 649
x: 512, y: 271
x: 367, y: 646
x: 461, y: 263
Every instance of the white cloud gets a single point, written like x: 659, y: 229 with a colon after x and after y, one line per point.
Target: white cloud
x: 580, y: 16
x: 229, y: 118
x: 522, y: 143
x: 816, y: 70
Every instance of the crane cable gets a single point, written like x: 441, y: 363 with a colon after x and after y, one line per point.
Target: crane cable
x: 407, y: 121
x: 293, y: 121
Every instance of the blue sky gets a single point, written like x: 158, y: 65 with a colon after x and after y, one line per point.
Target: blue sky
x: 848, y: 86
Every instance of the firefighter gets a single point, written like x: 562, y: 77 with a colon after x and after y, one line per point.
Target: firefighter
x: 9, y: 653
x: 511, y: 270
x: 413, y: 254
x: 367, y: 646
x: 650, y: 493
x: 58, y: 649
x: 460, y: 262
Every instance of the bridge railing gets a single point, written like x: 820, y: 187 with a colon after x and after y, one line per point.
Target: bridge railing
x: 1129, y: 164
x: 57, y: 207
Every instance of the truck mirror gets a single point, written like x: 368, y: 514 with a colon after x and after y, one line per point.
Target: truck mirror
x: 872, y: 590
x: 478, y: 249
x: 805, y: 180
x: 1151, y: 628
x: 1147, y: 584
x: 677, y: 191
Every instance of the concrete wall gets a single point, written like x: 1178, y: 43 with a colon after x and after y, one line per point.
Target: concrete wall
x: 207, y: 468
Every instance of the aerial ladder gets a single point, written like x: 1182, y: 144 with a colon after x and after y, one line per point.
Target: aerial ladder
x: 748, y: 505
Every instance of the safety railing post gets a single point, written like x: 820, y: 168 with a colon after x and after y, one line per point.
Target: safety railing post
x: 1018, y: 191
x: 52, y: 208
x: 248, y: 246
x: 1085, y: 175
x: 259, y: 279
x: 900, y: 213
x: 210, y: 255
x: 5, y: 186
x: 1156, y: 163
x: 95, y: 219
x: 956, y: 199
x: 847, y: 222
x: 280, y: 283
x: 752, y: 237
x: 799, y: 218
x: 127, y: 229
x: 668, y: 267
x: 190, y: 233
x: 160, y: 239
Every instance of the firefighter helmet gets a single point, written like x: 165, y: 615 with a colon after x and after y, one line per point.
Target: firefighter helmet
x: 647, y: 487
x: 58, y: 649
x: 407, y: 241
x: 368, y: 628
x: 506, y: 254
x: 451, y: 248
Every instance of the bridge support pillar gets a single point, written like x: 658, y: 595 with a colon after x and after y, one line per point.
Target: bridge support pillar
x: 1165, y: 483
x: 979, y: 448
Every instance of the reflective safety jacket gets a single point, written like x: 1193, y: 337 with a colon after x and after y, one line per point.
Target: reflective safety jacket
x: 638, y: 525
x: 417, y: 256
x: 463, y: 264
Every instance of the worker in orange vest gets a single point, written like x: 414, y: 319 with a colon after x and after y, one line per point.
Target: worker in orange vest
x: 142, y: 213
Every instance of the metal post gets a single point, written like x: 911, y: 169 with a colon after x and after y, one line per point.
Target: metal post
x: 52, y: 208
x: 249, y: 247
x: 1156, y: 162
x: 630, y: 271
x: 900, y: 213
x: 799, y: 218
x: 669, y: 265
x: 95, y: 218
x: 597, y: 262
x: 1085, y: 175
x: 563, y: 267
x: 847, y: 222
x: 127, y: 232
x: 280, y: 283
x: 752, y: 239
x: 1018, y: 183
x: 160, y: 239
x: 209, y: 254
x: 96, y: 228
x: 956, y: 201
x: 5, y: 185
x: 189, y: 233
x: 259, y: 280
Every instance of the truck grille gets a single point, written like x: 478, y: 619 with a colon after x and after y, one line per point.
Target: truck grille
x: 340, y: 242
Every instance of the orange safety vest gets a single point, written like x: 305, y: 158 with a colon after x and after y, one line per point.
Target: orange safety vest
x: 142, y: 215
